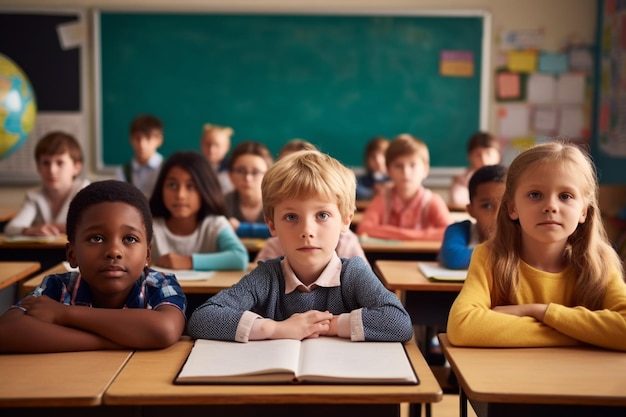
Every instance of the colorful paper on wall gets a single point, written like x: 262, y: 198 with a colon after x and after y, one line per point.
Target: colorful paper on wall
x: 570, y: 89
x: 513, y: 120
x: 508, y: 86
x: 521, y: 39
x: 552, y: 63
x: 545, y: 120
x: 522, y: 61
x: 541, y: 89
x: 571, y: 122
x: 580, y: 59
x: 513, y: 147
x: 456, y: 63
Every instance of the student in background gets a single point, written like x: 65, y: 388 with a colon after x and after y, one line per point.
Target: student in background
x: 191, y: 230
x: 548, y: 276
x: 375, y: 175
x: 482, y: 149
x: 59, y: 161
x: 308, y: 199
x: 295, y: 145
x: 215, y: 144
x: 249, y: 161
x: 146, y: 137
x: 406, y: 210
x: 114, y: 301
x: 486, y: 188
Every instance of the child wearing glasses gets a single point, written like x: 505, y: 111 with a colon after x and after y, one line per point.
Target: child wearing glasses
x: 249, y: 162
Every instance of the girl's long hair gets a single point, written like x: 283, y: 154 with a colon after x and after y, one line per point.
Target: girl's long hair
x: 588, y: 250
x: 203, y: 176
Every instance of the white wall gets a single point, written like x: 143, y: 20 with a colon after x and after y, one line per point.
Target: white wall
x: 562, y: 20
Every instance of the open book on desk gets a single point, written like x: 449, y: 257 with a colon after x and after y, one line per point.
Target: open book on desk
x: 434, y: 271
x: 321, y: 360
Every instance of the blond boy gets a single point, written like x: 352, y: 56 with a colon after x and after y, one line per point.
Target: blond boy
x: 308, y: 200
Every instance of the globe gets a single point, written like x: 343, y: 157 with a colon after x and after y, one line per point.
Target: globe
x: 18, y: 107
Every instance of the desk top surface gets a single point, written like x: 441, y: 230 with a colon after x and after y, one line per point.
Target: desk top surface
x: 214, y: 284
x: 12, y: 272
x: 142, y: 383
x: 406, y: 276
x: 400, y: 246
x: 33, y: 242
x: 58, y: 379
x: 555, y: 375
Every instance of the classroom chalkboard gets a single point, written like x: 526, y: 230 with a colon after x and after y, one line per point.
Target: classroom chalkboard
x: 335, y: 80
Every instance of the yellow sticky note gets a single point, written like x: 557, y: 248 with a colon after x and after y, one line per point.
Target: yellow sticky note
x: 522, y: 61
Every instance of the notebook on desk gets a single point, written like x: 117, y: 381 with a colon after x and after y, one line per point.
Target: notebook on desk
x: 435, y: 272
x: 326, y: 360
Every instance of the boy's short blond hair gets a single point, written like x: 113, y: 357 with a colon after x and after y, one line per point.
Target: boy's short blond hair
x: 406, y: 144
x: 209, y: 127
x: 306, y: 174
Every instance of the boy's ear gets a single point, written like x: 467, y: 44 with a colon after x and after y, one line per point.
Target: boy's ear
x: 270, y: 224
x: 470, y: 209
x: 78, y: 167
x: 346, y: 223
x: 69, y: 255
x: 149, y: 254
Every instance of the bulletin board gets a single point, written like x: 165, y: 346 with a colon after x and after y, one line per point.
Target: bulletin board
x: 609, y: 141
x: 49, y: 46
x: 335, y: 80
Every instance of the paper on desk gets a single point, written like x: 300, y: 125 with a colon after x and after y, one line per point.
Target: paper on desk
x: 186, y: 274
x: 438, y: 273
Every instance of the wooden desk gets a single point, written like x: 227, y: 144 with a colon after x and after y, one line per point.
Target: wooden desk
x: 146, y: 380
x: 423, y: 250
x: 253, y: 245
x: 567, y: 381
x: 48, y: 253
x: 12, y: 272
x: 428, y: 302
x: 73, y: 379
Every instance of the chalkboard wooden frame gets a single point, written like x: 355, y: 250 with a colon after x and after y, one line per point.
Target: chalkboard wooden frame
x: 351, y: 146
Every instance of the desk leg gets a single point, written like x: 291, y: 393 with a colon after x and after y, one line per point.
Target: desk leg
x: 462, y: 403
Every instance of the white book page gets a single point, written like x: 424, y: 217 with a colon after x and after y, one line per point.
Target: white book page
x: 335, y: 359
x: 186, y: 274
x: 435, y: 271
x: 213, y: 358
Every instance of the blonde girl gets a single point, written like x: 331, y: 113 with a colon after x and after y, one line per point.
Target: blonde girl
x: 549, y: 276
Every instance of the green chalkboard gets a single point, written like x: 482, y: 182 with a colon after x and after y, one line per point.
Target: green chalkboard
x: 335, y: 80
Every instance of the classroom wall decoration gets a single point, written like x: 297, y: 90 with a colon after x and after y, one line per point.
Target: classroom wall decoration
x: 541, y: 94
x: 610, y: 104
x: 48, y: 46
x: 335, y: 80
